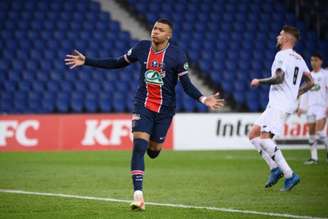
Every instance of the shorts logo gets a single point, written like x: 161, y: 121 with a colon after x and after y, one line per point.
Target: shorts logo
x: 153, y: 77
x: 135, y: 117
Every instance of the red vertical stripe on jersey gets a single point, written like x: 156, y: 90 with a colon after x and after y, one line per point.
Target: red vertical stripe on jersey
x: 154, y: 97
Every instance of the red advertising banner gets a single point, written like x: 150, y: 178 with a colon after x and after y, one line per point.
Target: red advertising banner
x: 68, y: 132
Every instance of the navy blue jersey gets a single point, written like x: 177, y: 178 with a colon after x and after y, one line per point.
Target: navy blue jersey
x: 159, y: 74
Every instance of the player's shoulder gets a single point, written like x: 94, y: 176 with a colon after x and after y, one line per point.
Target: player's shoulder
x: 177, y: 51
x: 325, y: 73
x: 281, y: 53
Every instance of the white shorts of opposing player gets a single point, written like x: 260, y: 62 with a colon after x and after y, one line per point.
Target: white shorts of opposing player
x: 315, y: 113
x: 272, y: 120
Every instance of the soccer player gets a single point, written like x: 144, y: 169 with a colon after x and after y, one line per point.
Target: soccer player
x: 315, y: 104
x: 162, y: 65
x: 287, y: 70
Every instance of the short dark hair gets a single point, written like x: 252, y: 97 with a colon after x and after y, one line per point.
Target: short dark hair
x: 317, y: 55
x: 292, y: 30
x: 165, y: 21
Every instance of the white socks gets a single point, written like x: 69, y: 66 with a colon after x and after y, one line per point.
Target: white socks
x: 271, y: 148
x: 313, y: 147
x: 257, y: 144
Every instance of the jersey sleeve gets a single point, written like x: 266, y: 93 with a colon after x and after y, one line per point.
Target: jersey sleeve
x: 182, y: 70
x: 131, y: 55
x: 182, y: 65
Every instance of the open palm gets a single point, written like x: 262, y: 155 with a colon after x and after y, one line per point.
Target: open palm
x: 214, y: 102
x: 74, y: 60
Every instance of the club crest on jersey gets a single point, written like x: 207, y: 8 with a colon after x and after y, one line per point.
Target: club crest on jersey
x: 316, y: 87
x: 156, y: 64
x: 153, y: 77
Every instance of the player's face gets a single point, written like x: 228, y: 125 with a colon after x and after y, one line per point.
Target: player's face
x: 316, y: 63
x: 160, y: 33
x: 281, y: 38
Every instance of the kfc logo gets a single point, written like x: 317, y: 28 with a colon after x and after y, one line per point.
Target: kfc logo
x: 106, y: 132
x: 18, y: 130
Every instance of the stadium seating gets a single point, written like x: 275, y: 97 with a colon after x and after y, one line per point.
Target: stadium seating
x: 232, y: 41
x: 35, y: 37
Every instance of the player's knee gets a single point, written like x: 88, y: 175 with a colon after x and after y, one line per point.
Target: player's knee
x: 254, y: 132
x: 141, y: 135
x: 312, y: 139
x: 321, y: 136
x: 140, y: 145
x: 153, y: 154
x: 269, y: 147
x: 154, y: 149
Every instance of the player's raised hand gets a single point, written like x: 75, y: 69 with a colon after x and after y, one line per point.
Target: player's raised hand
x: 75, y: 59
x: 214, y: 102
x: 255, y: 82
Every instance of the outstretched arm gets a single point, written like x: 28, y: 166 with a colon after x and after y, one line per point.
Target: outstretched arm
x: 78, y: 59
x: 278, y: 78
x: 212, y: 101
x: 306, y: 85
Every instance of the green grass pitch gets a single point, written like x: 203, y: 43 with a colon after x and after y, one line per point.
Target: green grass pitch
x: 223, y: 179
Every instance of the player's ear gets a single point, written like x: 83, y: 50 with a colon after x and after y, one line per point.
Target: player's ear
x: 169, y: 36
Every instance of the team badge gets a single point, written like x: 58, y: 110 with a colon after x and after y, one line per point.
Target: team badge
x: 153, y: 77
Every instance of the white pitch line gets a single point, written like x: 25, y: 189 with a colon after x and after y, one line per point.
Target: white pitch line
x: 230, y: 210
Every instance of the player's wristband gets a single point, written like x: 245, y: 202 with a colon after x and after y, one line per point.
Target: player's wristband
x: 202, y: 99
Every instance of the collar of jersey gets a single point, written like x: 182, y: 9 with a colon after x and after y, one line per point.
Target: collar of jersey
x: 161, y: 49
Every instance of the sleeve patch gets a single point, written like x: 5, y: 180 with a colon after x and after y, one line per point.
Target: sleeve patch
x: 186, y: 66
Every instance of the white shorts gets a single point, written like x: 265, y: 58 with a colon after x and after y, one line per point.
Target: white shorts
x: 315, y: 113
x: 272, y: 120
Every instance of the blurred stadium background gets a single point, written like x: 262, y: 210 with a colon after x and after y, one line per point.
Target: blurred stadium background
x: 228, y: 42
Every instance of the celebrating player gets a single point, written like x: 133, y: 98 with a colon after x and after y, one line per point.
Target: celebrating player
x: 163, y: 64
x: 287, y: 70
x: 315, y: 104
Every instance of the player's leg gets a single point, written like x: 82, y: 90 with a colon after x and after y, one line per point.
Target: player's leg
x: 311, y: 119
x: 313, y: 145
x: 274, y: 123
x: 321, y: 133
x: 254, y: 138
x: 291, y: 178
x: 326, y: 145
x: 142, y: 125
x: 140, y: 144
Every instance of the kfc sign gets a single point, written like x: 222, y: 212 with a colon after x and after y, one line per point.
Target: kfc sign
x: 68, y: 132
x: 95, y: 132
x: 18, y: 131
